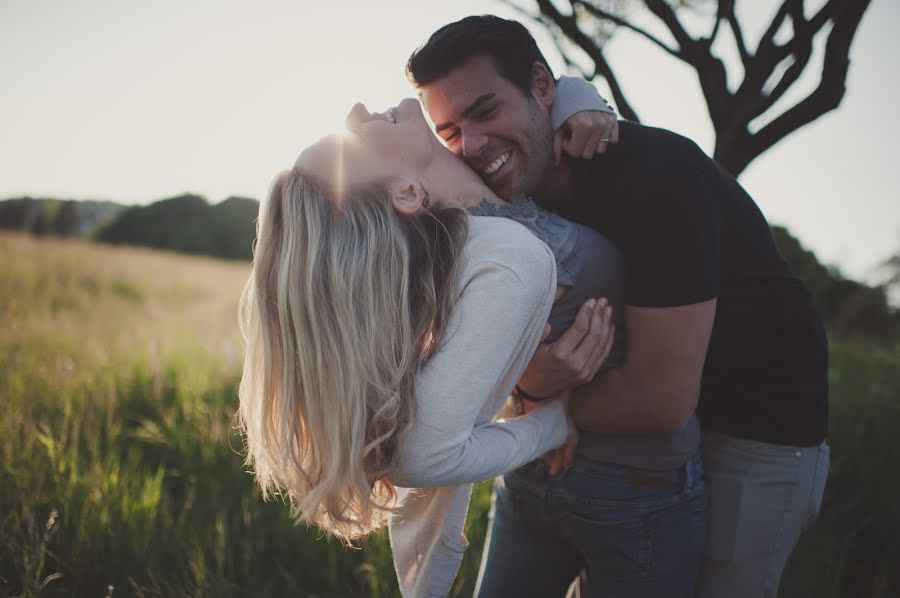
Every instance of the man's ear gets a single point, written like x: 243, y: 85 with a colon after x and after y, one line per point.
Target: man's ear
x: 407, y: 197
x: 543, y: 86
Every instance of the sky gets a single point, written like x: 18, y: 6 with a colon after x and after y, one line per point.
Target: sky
x: 138, y: 101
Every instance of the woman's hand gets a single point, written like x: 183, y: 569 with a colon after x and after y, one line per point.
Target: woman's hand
x: 575, y: 357
x: 560, y: 459
x: 585, y: 134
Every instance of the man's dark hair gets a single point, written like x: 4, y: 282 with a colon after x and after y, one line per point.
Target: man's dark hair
x: 508, y: 42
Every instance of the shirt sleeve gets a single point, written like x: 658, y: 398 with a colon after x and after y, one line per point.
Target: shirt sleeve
x: 495, y: 328
x: 574, y: 94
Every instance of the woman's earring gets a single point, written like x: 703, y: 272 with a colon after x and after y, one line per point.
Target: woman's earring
x: 427, y: 199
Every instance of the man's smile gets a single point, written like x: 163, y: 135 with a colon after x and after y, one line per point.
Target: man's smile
x: 495, y: 164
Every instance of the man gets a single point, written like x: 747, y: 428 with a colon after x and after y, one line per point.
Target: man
x: 625, y: 499
x: 714, y: 319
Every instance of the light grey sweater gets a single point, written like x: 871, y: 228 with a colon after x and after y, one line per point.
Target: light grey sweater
x: 508, y: 282
x: 574, y: 94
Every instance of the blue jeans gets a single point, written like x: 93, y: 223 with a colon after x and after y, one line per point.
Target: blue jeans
x: 630, y: 532
x: 762, y: 497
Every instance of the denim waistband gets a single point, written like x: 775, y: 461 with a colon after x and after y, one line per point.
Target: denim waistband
x: 605, y: 485
x: 687, y: 476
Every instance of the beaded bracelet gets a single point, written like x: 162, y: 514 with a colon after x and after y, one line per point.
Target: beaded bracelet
x: 524, y: 395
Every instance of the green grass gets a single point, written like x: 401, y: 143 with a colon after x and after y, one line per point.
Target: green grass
x: 853, y: 550
x: 122, y: 474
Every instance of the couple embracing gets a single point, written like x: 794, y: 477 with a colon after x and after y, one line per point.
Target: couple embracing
x: 667, y: 371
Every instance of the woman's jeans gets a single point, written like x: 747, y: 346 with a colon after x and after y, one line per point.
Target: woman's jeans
x: 633, y: 532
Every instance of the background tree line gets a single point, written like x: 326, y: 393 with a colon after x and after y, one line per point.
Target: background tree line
x: 187, y: 223
x: 190, y: 224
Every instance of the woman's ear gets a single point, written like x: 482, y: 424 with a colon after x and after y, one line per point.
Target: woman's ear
x: 543, y: 86
x: 408, y: 198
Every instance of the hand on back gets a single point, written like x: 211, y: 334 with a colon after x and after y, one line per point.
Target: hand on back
x: 575, y: 357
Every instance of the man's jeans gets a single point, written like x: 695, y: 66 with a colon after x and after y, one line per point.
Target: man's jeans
x: 762, y: 497
x: 635, y: 532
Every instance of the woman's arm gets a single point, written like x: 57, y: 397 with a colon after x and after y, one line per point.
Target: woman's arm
x: 496, y: 325
x: 584, y: 122
x: 573, y: 95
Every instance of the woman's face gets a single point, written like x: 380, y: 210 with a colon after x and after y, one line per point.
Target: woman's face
x: 395, y: 144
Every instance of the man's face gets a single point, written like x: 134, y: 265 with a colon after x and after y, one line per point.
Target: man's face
x: 483, y: 118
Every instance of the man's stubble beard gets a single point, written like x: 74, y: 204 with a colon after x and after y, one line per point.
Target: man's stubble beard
x: 537, y: 163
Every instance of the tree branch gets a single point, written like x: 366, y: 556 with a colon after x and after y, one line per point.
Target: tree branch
x: 554, y: 33
x: 568, y: 25
x: 800, y: 46
x: 825, y: 14
x: 768, y: 38
x: 832, y: 86
x: 715, y: 30
x: 665, y: 14
x: 603, y: 14
x: 726, y: 10
x: 803, y: 30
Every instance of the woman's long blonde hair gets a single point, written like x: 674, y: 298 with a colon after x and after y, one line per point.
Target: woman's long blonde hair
x: 346, y: 301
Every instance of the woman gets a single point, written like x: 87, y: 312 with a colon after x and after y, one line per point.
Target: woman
x: 384, y: 328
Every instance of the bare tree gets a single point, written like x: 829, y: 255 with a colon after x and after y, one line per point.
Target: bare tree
x: 891, y: 267
x: 769, y: 71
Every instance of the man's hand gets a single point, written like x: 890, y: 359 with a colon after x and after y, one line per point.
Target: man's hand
x: 575, y: 357
x: 585, y: 134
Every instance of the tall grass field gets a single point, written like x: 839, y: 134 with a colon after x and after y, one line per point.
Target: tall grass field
x: 121, y: 473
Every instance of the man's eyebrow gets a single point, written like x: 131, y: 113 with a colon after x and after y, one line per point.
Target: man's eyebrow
x: 468, y: 111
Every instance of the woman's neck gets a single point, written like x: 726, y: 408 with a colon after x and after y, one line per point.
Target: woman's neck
x: 449, y: 178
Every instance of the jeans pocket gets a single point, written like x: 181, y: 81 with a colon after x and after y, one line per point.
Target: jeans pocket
x: 823, y: 459
x: 725, y: 519
x: 618, y: 544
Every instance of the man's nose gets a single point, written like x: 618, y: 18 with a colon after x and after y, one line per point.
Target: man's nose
x: 473, y: 141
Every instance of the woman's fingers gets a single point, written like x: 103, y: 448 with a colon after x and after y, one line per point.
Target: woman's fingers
x: 614, y: 131
x: 603, y: 351
x: 560, y: 459
x: 605, y: 344
x: 569, y: 342
x: 552, y: 460
x: 568, y: 451
x: 585, y: 134
x: 595, y: 144
x: 574, y: 145
x: 592, y: 342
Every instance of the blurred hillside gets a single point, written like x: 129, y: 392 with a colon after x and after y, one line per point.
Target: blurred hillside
x: 849, y: 308
x: 64, y: 218
x: 187, y: 223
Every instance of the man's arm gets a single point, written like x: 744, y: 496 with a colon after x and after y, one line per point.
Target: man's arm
x: 670, y: 238
x: 657, y: 388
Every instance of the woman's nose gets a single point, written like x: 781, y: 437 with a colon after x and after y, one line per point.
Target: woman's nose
x: 358, y: 115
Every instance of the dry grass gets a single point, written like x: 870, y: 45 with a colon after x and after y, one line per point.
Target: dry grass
x: 103, y: 306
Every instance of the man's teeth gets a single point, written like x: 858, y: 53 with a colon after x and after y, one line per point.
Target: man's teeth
x: 496, y: 164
